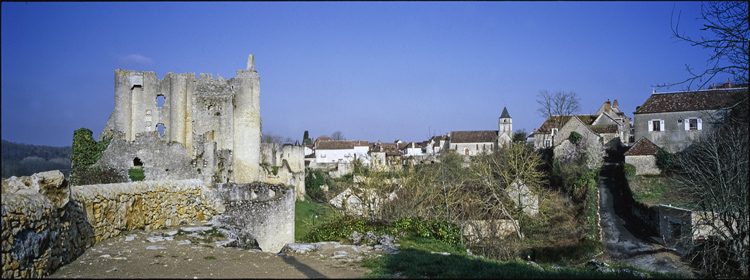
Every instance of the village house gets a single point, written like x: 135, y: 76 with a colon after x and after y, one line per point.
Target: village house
x: 643, y: 156
x: 471, y: 143
x: 610, y: 126
x: 676, y: 120
x: 386, y: 156
x: 436, y: 144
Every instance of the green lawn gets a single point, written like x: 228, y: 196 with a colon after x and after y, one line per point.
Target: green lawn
x: 655, y: 190
x: 305, y: 220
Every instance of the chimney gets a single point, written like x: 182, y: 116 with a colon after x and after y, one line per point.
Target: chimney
x: 729, y: 83
x: 607, y: 106
x: 616, y: 105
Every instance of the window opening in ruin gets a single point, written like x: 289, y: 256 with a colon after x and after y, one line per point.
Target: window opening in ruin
x: 160, y: 128
x: 159, y: 100
x: 137, y: 162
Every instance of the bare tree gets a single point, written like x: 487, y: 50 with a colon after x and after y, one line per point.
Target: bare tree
x: 513, y: 167
x: 560, y: 104
x: 338, y: 135
x: 716, y: 172
x: 727, y: 26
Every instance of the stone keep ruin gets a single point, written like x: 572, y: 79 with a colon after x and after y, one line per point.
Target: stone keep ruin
x: 216, y: 121
x: 208, y: 163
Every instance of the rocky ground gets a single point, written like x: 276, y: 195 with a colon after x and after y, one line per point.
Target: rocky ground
x: 197, y: 252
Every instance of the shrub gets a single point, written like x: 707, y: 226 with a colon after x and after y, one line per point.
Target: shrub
x: 664, y: 160
x: 574, y: 137
x: 136, y: 174
x: 629, y: 171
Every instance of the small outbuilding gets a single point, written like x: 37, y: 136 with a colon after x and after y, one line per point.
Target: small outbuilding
x: 643, y: 156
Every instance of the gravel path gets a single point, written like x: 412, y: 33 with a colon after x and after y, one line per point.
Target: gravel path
x: 625, y: 242
x: 188, y: 254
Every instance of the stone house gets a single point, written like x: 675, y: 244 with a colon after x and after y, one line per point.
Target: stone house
x: 471, y: 143
x: 675, y: 120
x: 436, y: 144
x: 611, y: 126
x: 643, y: 156
x: 386, y: 156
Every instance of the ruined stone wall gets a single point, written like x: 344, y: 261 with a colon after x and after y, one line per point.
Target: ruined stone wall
x: 160, y: 159
x: 264, y: 211
x: 194, y: 113
x: 42, y: 230
x: 288, y: 163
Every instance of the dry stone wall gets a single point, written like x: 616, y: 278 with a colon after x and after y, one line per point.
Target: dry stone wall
x: 43, y: 229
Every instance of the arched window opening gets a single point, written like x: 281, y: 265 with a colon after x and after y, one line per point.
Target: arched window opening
x: 137, y: 162
x: 160, y: 128
x: 159, y: 100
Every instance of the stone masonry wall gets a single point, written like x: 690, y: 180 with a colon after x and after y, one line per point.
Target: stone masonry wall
x: 42, y: 230
x: 264, y: 211
x: 644, y: 165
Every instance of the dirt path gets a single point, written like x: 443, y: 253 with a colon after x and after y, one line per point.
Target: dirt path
x: 625, y: 242
x: 167, y: 254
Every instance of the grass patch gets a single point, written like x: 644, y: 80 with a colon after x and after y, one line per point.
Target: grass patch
x: 136, y: 174
x: 656, y: 190
x: 209, y: 258
x: 419, y: 259
x: 305, y: 220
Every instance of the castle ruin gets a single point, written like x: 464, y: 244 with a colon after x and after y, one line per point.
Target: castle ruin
x: 182, y: 127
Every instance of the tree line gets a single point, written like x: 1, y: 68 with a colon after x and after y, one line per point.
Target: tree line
x: 20, y: 159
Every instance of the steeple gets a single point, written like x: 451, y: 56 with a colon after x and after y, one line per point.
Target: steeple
x: 505, y: 115
x: 504, y: 128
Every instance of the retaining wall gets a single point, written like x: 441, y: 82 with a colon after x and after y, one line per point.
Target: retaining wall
x: 39, y: 234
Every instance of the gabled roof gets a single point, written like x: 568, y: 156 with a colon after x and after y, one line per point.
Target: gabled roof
x: 607, y: 128
x: 689, y: 101
x: 551, y: 122
x: 505, y: 113
x: 643, y: 147
x: 361, y: 143
x: 335, y: 145
x: 587, y: 119
x: 477, y: 136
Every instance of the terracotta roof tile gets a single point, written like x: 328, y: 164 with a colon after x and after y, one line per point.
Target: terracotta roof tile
x: 611, y: 128
x: 586, y: 119
x: 335, y: 145
x: 689, y: 101
x: 551, y: 123
x: 643, y: 147
x: 477, y: 136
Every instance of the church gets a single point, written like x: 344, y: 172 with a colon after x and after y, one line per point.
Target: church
x: 470, y: 143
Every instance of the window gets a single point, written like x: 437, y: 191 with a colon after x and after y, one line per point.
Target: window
x: 554, y: 131
x: 160, y: 127
x: 159, y: 100
x: 656, y: 125
x: 693, y: 124
x: 547, y: 143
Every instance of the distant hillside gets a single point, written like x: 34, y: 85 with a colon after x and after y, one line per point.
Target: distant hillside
x: 20, y: 159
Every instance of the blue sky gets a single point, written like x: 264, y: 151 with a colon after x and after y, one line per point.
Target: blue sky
x: 372, y: 70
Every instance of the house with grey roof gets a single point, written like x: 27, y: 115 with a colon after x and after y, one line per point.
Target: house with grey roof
x: 676, y: 120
